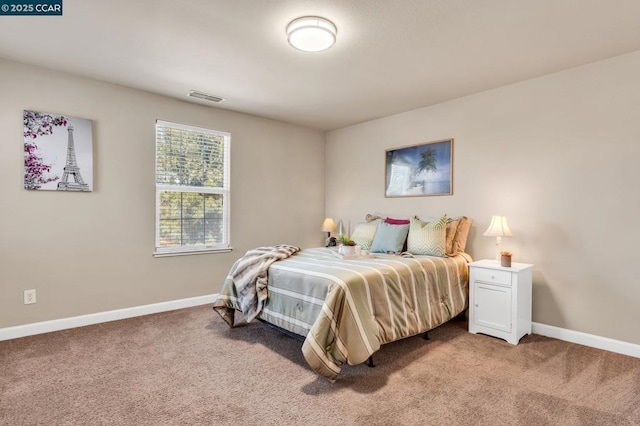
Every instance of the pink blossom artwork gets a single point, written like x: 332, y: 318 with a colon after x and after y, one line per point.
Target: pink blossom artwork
x: 58, y: 152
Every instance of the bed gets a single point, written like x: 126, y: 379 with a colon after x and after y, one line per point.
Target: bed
x: 347, y: 308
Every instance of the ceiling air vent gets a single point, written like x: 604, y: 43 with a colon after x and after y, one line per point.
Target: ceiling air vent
x: 206, y: 97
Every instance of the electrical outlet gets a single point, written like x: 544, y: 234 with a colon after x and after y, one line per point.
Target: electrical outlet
x: 30, y: 296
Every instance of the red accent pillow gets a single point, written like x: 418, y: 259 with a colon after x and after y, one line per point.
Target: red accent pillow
x: 391, y: 221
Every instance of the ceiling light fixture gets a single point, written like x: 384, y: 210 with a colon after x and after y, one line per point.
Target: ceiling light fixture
x: 311, y: 33
x: 205, y: 96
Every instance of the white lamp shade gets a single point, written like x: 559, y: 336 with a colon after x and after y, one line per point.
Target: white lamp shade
x: 311, y: 33
x: 328, y: 225
x: 498, y: 228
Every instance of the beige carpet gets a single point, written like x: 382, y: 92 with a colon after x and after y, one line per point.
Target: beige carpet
x: 187, y: 367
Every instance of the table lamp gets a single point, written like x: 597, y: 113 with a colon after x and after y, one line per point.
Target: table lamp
x: 498, y: 228
x: 328, y: 226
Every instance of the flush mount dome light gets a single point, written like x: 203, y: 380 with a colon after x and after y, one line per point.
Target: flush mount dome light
x: 311, y: 33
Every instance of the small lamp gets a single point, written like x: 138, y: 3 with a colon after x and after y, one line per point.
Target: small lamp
x: 498, y: 228
x: 328, y: 226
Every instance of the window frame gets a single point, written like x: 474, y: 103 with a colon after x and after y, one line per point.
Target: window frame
x: 225, y: 191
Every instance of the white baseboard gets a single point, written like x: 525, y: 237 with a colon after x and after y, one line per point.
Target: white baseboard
x: 118, y: 314
x: 585, y: 339
x: 7, y: 333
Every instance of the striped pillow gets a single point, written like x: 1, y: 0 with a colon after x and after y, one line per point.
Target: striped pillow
x: 364, y: 233
x: 428, y: 238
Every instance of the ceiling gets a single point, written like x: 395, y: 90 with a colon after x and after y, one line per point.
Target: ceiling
x: 391, y: 55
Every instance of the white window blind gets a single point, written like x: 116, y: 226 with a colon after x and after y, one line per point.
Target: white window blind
x: 192, y: 189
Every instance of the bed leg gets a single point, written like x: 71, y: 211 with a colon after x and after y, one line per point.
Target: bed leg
x: 462, y: 316
x: 370, y: 362
x: 425, y: 336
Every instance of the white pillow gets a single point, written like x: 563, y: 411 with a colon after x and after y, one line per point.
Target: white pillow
x: 364, y: 233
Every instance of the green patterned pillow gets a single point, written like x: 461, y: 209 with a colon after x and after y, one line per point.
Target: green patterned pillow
x: 428, y: 238
x: 364, y: 234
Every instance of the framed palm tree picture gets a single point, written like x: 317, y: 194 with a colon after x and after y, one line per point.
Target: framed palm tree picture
x: 420, y: 170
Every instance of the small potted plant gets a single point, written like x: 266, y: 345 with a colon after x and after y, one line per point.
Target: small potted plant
x: 346, y: 245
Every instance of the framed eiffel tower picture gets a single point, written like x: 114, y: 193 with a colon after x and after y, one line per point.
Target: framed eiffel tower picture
x: 58, y: 152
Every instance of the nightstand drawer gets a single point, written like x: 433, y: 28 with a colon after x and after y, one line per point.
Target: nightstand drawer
x: 492, y: 276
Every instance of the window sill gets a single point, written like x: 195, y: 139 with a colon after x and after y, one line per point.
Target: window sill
x: 190, y: 252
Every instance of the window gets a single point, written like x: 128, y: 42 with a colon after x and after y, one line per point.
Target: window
x: 192, y: 189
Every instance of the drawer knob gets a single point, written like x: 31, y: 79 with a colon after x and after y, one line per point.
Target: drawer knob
x: 493, y: 277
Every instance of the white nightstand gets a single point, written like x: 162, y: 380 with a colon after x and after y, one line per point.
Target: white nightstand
x: 500, y: 299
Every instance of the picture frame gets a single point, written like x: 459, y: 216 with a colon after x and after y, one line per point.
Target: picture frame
x: 58, y: 152
x: 421, y: 170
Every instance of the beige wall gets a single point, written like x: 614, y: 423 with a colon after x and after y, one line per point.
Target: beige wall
x: 557, y: 155
x: 92, y: 252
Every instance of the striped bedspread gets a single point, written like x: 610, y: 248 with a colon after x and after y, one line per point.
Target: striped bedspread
x: 348, y: 308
